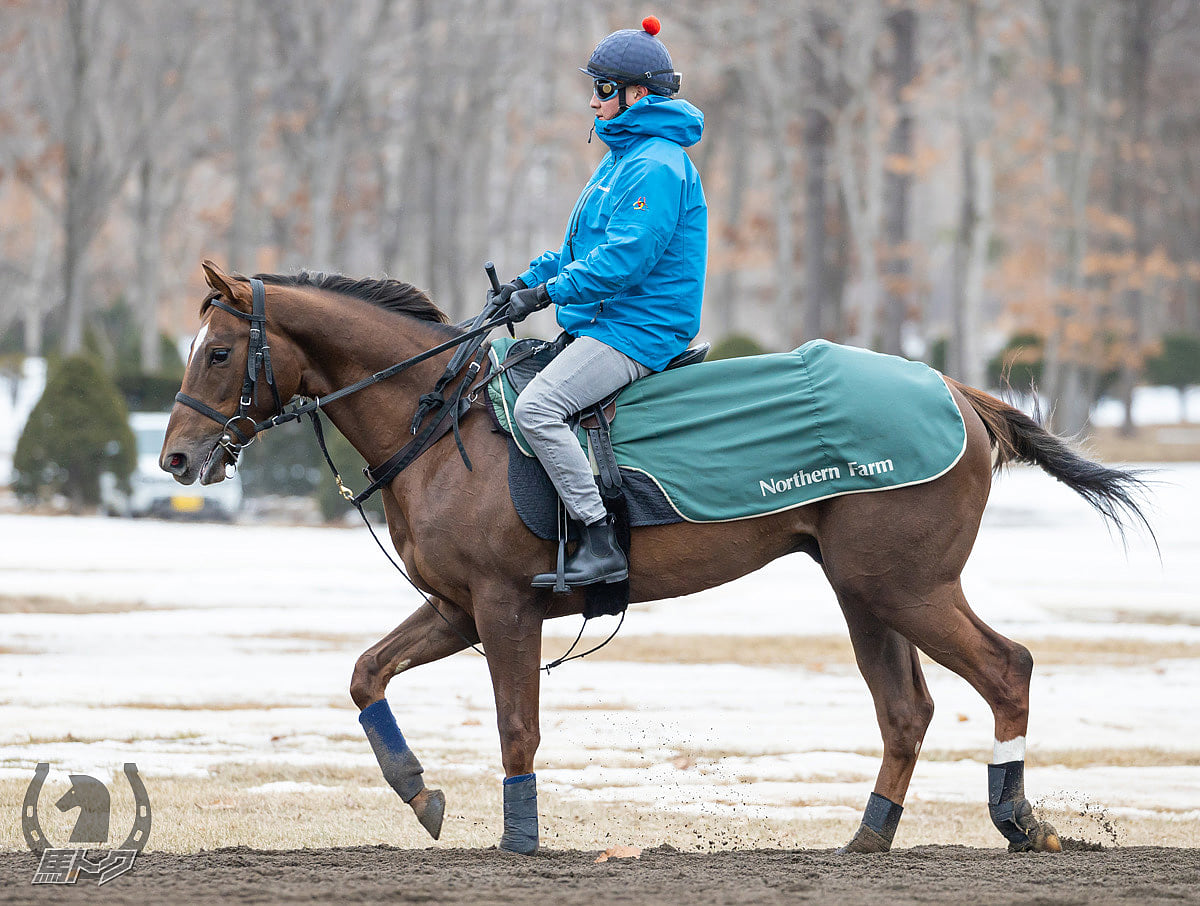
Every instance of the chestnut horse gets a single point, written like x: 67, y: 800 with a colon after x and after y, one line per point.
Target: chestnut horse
x: 894, y: 557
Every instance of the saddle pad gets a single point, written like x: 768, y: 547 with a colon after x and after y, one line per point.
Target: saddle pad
x: 746, y: 437
x: 503, y: 393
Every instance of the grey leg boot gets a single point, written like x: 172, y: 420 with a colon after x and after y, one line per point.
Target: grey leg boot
x: 598, y: 558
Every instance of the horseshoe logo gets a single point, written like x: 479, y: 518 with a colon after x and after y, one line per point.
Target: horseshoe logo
x: 31, y: 826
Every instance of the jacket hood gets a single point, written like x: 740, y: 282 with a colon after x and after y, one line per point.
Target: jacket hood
x: 669, y: 118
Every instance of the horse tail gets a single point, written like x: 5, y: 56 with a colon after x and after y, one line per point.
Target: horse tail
x: 1117, y: 494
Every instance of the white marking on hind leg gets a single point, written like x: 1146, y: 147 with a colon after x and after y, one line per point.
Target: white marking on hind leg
x: 1013, y: 750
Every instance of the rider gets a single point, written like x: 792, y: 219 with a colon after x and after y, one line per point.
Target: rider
x: 628, y: 281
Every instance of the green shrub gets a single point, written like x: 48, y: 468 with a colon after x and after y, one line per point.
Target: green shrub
x: 1019, y: 364
x: 350, y: 465
x: 734, y: 346
x: 287, y: 461
x: 938, y: 354
x: 148, y: 392
x: 1178, y: 363
x: 78, y: 430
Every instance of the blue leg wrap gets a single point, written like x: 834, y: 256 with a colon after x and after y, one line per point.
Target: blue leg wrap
x: 520, y: 814
x: 400, y: 767
x: 882, y: 816
x: 1010, y: 810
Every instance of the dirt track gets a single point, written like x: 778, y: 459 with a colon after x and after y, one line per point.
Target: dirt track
x: 925, y: 874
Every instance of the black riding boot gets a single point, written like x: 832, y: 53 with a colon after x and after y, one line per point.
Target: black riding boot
x: 597, y: 558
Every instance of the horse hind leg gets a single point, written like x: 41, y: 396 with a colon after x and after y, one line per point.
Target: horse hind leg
x: 999, y: 669
x: 903, y: 707
x: 424, y: 637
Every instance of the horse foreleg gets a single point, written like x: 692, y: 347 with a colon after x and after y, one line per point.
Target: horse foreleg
x: 512, y: 638
x: 424, y: 637
x: 903, y: 707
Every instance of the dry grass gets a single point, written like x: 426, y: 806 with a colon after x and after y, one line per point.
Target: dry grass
x: 1151, y: 443
x: 191, y: 814
x: 47, y: 604
x: 818, y: 652
x: 341, y: 703
x: 1071, y: 758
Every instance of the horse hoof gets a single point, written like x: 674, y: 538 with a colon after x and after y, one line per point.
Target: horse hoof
x: 1044, y: 838
x: 866, y: 841
x: 430, y: 807
x: 1040, y: 837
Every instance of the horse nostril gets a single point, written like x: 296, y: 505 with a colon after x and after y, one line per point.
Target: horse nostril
x: 176, y: 463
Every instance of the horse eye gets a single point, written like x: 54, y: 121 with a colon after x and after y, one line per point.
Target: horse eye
x: 218, y: 357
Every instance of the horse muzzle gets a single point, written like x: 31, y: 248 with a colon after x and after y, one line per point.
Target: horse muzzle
x: 204, y: 460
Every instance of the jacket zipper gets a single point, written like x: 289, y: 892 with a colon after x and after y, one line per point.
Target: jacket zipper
x: 579, y: 213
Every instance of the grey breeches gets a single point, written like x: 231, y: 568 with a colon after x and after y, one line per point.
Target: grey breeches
x: 582, y: 374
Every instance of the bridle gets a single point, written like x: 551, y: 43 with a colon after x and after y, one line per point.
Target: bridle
x: 258, y: 358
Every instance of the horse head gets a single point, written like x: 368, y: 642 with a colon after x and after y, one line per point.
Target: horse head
x: 235, y: 377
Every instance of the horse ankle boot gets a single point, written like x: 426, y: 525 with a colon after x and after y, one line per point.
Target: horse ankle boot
x: 520, y: 815
x: 400, y: 766
x: 878, y: 827
x: 597, y: 558
x: 1012, y: 813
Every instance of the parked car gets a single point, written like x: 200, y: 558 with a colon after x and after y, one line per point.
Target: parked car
x: 155, y: 493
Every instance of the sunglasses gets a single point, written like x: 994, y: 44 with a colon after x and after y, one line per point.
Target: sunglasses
x: 605, y: 89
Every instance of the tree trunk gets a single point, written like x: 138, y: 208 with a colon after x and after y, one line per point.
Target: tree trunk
x: 898, y: 182
x: 75, y: 239
x: 149, y: 269
x: 243, y: 234
x: 975, y: 226
x: 1136, y: 51
x: 815, y: 317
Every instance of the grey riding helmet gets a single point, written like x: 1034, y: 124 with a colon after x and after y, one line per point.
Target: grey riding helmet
x: 636, y: 57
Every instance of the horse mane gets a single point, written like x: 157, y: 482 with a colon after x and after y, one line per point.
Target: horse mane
x: 390, y: 295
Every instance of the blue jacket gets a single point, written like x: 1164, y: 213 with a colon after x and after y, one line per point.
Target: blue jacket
x: 631, y: 269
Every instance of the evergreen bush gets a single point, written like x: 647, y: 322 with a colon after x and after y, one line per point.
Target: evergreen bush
x: 1177, y: 365
x: 78, y: 430
x: 1019, y: 364
x: 735, y: 345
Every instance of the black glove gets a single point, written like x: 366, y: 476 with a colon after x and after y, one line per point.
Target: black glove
x: 525, y: 302
x: 501, y: 298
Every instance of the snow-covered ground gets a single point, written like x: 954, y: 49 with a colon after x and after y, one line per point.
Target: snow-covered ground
x: 196, y: 644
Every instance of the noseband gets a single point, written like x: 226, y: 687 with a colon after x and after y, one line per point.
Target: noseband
x: 258, y: 358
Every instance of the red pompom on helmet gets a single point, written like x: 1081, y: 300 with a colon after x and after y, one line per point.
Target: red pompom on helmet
x: 636, y: 57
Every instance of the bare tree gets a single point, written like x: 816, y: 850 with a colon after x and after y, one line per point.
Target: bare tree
x: 974, y: 30
x: 322, y: 53
x: 859, y: 131
x: 818, y: 320
x: 90, y: 61
x: 1078, y: 36
x: 902, y: 28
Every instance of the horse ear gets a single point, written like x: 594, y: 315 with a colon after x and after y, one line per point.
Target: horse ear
x: 231, y: 288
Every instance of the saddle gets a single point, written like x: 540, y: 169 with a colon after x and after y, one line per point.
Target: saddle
x: 522, y: 362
